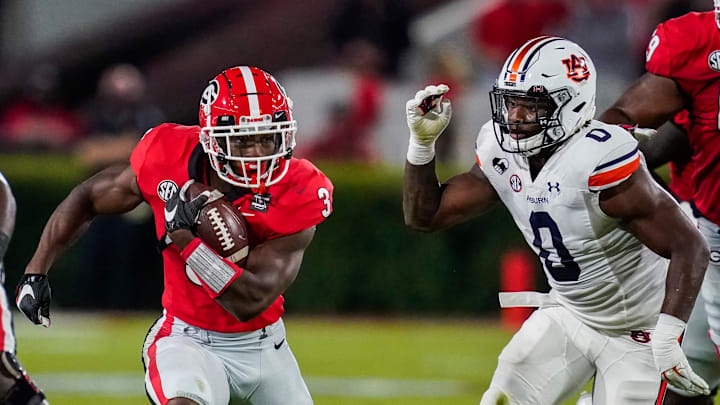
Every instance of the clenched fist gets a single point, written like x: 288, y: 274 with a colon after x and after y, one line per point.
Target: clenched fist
x: 428, y: 114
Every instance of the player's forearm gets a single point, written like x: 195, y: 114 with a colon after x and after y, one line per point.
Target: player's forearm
x: 68, y: 222
x: 243, y: 292
x: 243, y: 301
x: 257, y: 288
x: 246, y: 292
x: 421, y: 195
x: 685, y: 275
x: 616, y: 115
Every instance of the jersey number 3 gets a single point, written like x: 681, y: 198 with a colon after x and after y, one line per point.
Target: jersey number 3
x: 324, y: 196
x: 567, y: 269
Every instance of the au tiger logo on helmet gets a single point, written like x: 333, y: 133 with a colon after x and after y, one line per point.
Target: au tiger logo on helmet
x: 577, y: 68
x: 552, y: 81
x: 248, y: 130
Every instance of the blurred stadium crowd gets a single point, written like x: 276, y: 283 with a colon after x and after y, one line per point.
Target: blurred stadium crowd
x: 88, y: 78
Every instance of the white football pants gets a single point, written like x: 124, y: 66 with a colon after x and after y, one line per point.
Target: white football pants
x: 554, y: 355
x: 213, y: 368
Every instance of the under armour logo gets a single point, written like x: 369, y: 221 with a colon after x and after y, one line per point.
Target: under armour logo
x: 537, y: 90
x: 551, y: 186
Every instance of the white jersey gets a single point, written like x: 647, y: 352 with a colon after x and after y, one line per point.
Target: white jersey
x: 596, y: 269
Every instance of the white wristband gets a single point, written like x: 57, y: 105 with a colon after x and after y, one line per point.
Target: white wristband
x: 668, y: 329
x: 211, y: 268
x: 418, y: 154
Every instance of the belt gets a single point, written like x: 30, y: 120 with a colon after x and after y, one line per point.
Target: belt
x: 526, y: 299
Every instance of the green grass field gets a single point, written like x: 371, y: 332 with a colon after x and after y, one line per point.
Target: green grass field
x: 95, y: 359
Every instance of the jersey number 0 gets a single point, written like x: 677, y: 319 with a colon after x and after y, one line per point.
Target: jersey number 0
x: 567, y: 269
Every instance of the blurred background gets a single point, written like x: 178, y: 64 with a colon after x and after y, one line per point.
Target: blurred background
x: 379, y: 314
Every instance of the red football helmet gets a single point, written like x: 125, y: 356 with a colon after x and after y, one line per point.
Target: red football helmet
x: 242, y: 106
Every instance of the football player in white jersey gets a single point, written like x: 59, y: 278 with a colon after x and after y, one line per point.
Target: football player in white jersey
x: 581, y: 195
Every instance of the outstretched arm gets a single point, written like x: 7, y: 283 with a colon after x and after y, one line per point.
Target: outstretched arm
x: 111, y: 191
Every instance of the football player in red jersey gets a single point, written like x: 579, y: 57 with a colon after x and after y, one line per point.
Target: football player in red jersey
x: 16, y: 388
x: 220, y: 335
x: 683, y: 73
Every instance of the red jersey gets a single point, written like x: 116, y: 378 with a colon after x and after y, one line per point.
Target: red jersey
x: 687, y: 50
x: 171, y: 154
x: 681, y: 171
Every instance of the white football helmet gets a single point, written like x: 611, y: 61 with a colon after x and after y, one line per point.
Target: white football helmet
x: 558, y: 78
x: 717, y: 12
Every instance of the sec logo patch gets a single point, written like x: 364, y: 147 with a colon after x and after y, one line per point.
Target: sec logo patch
x: 166, y: 189
x: 714, y: 61
x: 515, y: 183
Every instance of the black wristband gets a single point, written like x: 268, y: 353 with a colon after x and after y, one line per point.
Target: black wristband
x: 4, y: 242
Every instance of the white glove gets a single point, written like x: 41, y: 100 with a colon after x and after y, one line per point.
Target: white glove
x: 427, y: 116
x: 670, y: 359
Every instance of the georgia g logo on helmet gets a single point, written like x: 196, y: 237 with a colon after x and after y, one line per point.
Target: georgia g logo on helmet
x: 577, y: 68
x: 209, y: 95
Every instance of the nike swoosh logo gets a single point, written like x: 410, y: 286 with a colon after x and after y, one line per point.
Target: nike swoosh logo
x: 278, y: 345
x: 170, y: 215
x: 26, y: 290
x: 547, y: 76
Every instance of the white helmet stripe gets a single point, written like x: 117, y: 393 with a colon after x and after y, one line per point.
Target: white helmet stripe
x: 251, y: 89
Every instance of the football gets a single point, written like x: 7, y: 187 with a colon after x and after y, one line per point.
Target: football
x: 221, y: 226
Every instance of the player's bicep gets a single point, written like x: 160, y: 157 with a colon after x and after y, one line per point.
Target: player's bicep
x: 464, y: 197
x: 113, y: 190
x: 649, y: 102
x: 649, y: 212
